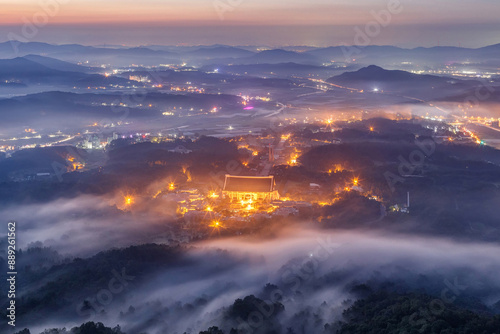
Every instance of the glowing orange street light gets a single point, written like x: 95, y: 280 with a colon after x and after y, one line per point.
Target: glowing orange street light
x: 129, y: 200
x: 355, y: 182
x: 372, y: 129
x: 215, y: 224
x: 249, y: 201
x: 171, y: 186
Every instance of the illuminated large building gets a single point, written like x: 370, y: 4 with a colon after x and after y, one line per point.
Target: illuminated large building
x: 245, y: 188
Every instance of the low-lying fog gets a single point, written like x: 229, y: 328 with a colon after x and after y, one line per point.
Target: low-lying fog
x: 311, y: 268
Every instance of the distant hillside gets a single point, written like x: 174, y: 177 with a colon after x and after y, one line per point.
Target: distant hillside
x: 37, y: 160
x: 201, y: 78
x: 374, y: 78
x: 154, y: 55
x: 342, y: 53
x: 57, y: 110
x: 290, y: 66
x: 23, y: 67
x: 15, y: 48
x: 278, y: 56
x: 220, y: 52
x: 59, y: 65
x: 96, y: 55
x: 35, y: 70
x: 281, y: 70
x: 378, y: 74
x: 388, y: 55
x: 495, y: 48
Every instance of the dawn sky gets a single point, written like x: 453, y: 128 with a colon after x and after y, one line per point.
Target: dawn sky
x: 470, y: 23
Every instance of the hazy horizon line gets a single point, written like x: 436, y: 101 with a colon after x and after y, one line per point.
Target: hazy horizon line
x: 109, y: 45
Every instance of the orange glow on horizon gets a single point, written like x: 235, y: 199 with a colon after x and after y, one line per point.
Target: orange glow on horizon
x: 206, y: 13
x: 107, y: 13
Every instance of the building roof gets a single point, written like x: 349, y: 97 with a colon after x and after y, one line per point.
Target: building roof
x: 252, y: 184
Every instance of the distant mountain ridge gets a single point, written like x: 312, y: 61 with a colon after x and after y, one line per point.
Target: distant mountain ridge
x: 279, y: 56
x: 220, y: 52
x: 376, y: 73
x: 391, y: 54
x: 59, y: 65
x: 37, y: 70
x: 154, y: 55
x: 98, y: 55
x: 376, y: 79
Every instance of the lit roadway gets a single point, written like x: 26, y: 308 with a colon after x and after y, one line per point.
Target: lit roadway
x: 62, y: 140
x: 47, y: 144
x: 334, y: 85
x: 283, y: 107
x: 485, y: 125
x: 268, y: 165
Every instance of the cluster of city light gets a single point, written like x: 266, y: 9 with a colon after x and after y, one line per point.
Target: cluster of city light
x: 213, y: 195
x: 248, y: 98
x: 458, y: 73
x: 337, y: 168
x: 129, y: 200
x: 485, y: 119
x: 248, y: 204
x: 293, y: 159
x: 189, y: 89
x: 473, y: 136
x: 247, y: 147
